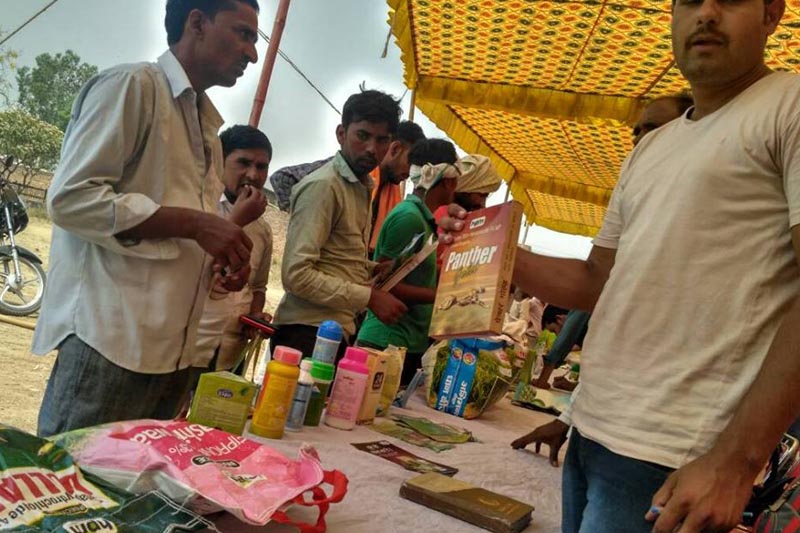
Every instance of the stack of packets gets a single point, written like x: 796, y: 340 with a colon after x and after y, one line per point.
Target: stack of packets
x: 549, y: 401
x: 423, y: 432
x: 467, y: 376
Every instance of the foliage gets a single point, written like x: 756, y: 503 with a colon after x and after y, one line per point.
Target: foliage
x: 47, y: 90
x: 35, y: 144
x: 8, y: 63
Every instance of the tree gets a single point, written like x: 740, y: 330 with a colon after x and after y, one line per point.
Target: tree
x: 8, y: 62
x: 35, y: 145
x: 47, y: 90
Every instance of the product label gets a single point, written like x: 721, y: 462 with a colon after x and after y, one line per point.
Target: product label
x: 275, y: 403
x: 346, y: 397
x: 181, y: 443
x: 27, y: 494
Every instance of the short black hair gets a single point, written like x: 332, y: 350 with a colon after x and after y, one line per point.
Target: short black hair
x: 178, y: 11
x: 551, y: 313
x: 409, y: 133
x: 373, y: 106
x: 244, y: 138
x: 432, y: 152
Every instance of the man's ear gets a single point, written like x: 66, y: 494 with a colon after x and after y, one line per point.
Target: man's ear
x: 195, y: 23
x: 395, y: 149
x: 773, y: 12
x: 341, y: 133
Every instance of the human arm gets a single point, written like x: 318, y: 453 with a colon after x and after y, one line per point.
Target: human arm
x: 554, y: 434
x: 710, y: 493
x: 91, y: 197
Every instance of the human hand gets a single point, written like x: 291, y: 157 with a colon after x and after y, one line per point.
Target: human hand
x: 251, y: 332
x: 452, y: 223
x: 223, y: 240
x: 250, y: 204
x: 236, y: 281
x: 386, y: 307
x: 707, y: 495
x: 554, y: 434
x: 382, y: 270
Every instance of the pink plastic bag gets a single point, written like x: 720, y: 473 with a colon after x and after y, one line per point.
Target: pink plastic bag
x: 205, y: 469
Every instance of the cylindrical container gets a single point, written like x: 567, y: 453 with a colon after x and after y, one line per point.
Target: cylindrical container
x: 348, y: 390
x: 276, y: 393
x: 376, y: 363
x: 302, y: 394
x: 322, y: 373
x: 329, y: 336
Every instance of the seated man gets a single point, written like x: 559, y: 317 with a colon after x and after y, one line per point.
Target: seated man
x: 435, y: 178
x: 326, y: 271
x: 247, y: 153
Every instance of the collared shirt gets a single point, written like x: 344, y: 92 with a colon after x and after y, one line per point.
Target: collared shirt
x: 222, y: 309
x: 408, y: 219
x: 385, y: 195
x: 140, y: 138
x: 325, y: 268
x: 284, y: 179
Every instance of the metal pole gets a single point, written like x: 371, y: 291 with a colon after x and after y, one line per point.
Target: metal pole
x: 413, y: 105
x: 269, y: 62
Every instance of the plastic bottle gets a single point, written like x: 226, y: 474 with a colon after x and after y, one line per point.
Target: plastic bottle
x: 348, y: 390
x: 322, y: 373
x: 276, y: 393
x: 329, y: 336
x: 302, y: 394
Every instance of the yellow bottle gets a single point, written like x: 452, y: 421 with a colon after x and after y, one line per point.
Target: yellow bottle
x: 276, y: 393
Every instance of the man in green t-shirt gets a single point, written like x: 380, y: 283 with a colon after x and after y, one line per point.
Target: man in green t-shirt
x: 435, y: 178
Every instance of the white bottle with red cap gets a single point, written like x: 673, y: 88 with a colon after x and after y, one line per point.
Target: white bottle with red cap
x: 348, y: 390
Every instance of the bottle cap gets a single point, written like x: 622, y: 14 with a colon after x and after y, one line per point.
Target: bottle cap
x: 322, y: 371
x: 355, y: 360
x: 330, y: 330
x: 306, y: 364
x: 286, y: 355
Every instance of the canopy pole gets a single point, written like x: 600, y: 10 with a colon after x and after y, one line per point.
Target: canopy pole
x: 413, y: 105
x: 269, y: 62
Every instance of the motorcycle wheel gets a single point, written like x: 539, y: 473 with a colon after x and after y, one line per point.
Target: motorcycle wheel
x: 23, y: 298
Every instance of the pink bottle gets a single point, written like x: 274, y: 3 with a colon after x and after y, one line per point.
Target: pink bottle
x: 348, y: 390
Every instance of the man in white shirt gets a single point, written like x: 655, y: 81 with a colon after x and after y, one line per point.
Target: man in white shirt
x: 704, y: 220
x: 247, y: 152
x: 133, y: 203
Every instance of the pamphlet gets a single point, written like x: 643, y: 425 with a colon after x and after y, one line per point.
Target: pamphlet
x: 399, y: 456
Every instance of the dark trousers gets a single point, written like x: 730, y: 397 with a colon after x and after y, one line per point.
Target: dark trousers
x: 86, y: 389
x: 300, y: 337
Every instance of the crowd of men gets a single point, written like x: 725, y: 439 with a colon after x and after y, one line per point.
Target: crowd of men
x: 690, y: 364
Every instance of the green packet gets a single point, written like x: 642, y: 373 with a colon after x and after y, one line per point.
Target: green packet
x: 393, y: 429
x: 438, y: 432
x: 43, y: 490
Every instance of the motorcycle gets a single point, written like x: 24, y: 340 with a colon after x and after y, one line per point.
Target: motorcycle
x: 22, y: 275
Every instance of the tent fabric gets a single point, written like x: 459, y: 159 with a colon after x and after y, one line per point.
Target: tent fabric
x: 549, y: 90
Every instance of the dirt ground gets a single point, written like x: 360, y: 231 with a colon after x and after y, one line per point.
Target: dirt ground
x: 24, y: 376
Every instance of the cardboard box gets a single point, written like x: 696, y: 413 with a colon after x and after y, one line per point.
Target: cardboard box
x: 466, y: 502
x: 222, y: 401
x: 475, y: 280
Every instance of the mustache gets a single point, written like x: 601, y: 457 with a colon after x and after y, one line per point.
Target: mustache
x: 706, y: 31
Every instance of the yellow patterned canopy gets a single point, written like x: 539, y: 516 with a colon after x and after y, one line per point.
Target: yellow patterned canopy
x: 549, y: 89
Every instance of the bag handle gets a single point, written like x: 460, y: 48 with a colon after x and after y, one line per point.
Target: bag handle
x: 319, y: 499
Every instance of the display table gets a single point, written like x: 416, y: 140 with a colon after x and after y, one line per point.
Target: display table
x: 373, y: 502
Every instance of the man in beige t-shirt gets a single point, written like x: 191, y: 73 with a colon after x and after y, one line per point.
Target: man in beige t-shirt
x: 691, y: 361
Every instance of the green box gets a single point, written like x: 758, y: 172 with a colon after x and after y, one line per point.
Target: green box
x: 222, y: 401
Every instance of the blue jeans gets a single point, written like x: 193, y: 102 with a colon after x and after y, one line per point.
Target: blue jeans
x: 603, y: 492
x: 86, y: 389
